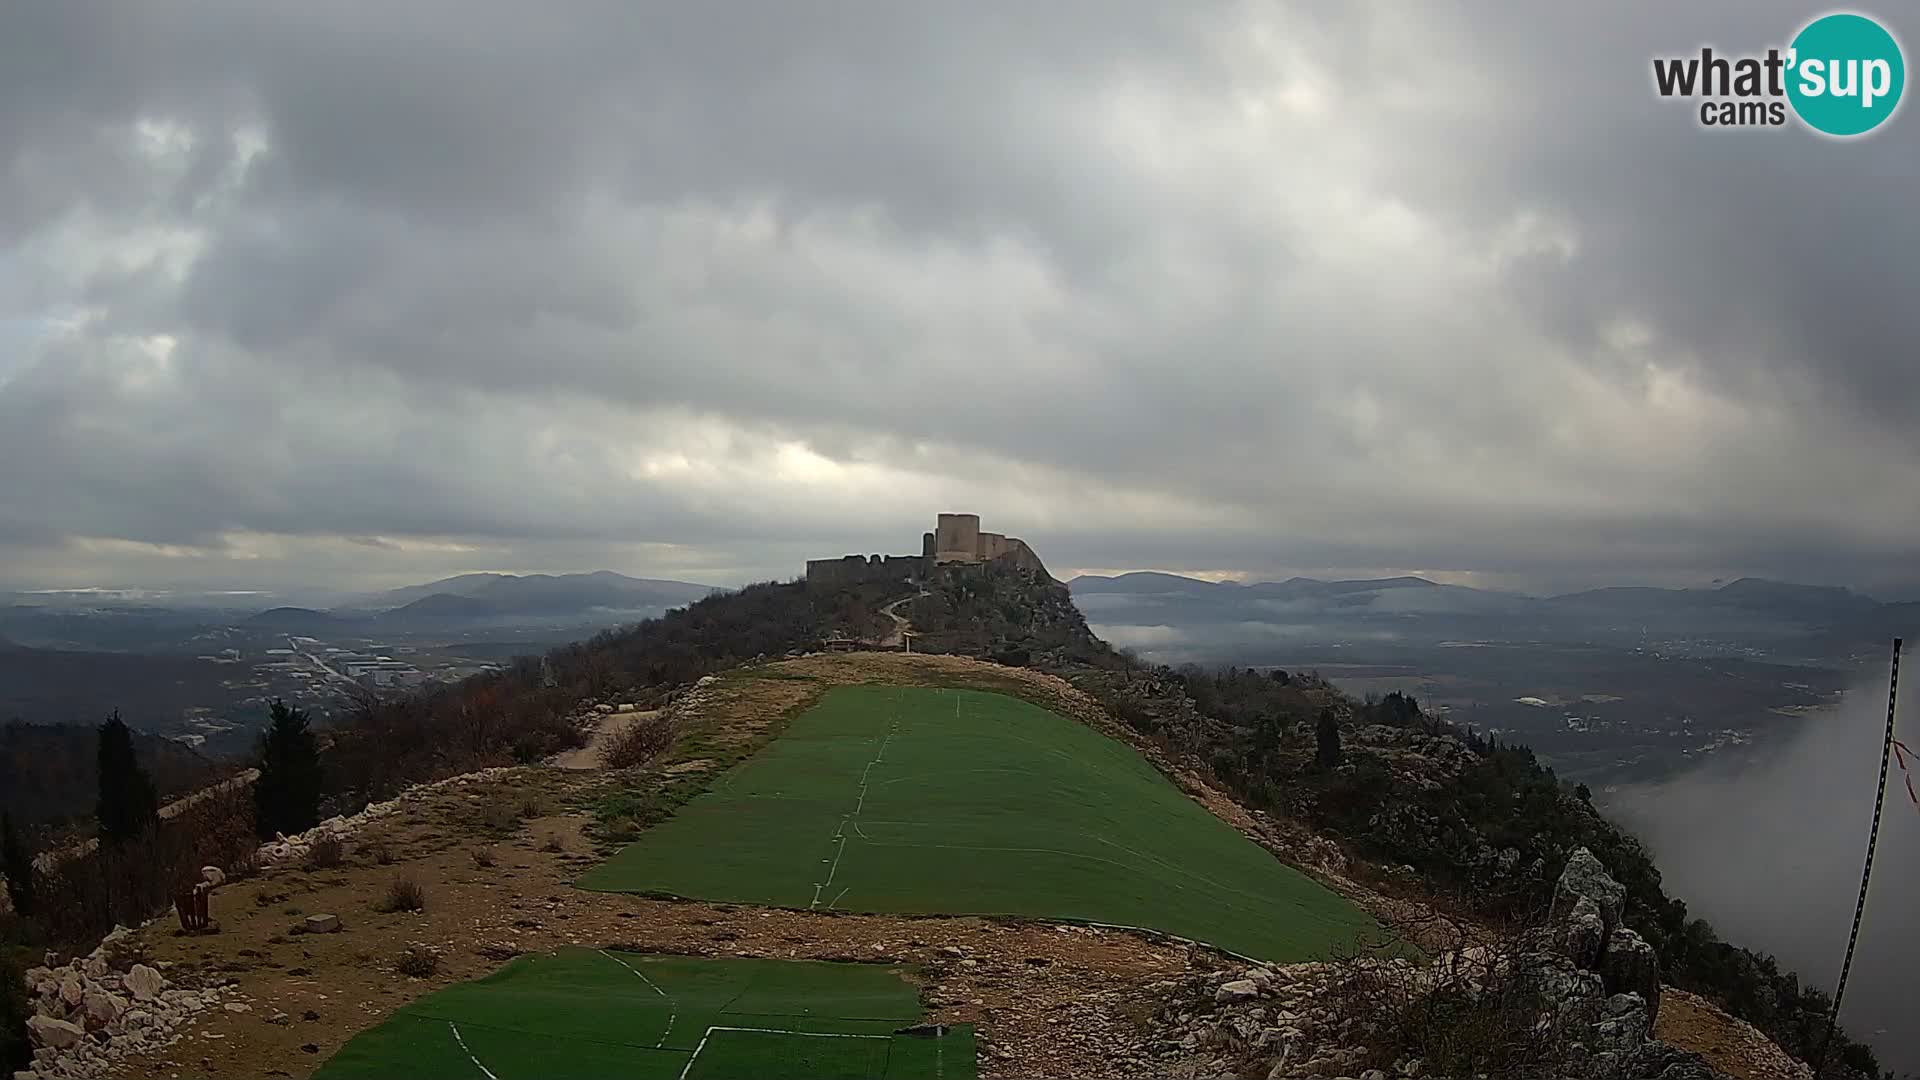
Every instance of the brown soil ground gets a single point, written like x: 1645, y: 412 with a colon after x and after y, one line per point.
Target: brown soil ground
x: 1733, y: 1046
x: 1046, y: 1000
x: 592, y: 754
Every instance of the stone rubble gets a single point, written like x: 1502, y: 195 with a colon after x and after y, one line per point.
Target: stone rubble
x: 1597, y: 980
x: 93, y: 1011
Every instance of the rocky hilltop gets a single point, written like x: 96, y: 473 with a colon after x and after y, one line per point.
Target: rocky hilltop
x: 1534, y: 938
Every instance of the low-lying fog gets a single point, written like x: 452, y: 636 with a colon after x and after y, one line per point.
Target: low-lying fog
x: 1770, y: 853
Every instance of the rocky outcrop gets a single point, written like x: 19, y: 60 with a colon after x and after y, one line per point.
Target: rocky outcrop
x: 1587, y: 921
x: 1583, y: 989
x: 95, y: 1010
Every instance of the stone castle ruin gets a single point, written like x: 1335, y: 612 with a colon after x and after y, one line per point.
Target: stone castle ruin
x: 956, y: 540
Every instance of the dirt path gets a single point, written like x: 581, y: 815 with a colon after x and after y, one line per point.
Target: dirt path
x: 592, y: 755
x: 901, y: 627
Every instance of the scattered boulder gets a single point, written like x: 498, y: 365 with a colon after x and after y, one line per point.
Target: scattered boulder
x: 144, y: 983
x: 213, y: 876
x: 321, y: 924
x: 1237, y: 990
x: 102, y: 1008
x: 55, y: 1034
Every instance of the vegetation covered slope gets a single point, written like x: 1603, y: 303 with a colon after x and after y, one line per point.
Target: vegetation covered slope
x: 1484, y: 822
x: 49, y: 773
x: 1480, y: 821
x: 933, y: 801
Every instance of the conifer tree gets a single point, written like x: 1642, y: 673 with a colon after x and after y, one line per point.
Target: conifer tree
x: 1327, y: 732
x: 17, y: 863
x: 128, y: 805
x: 286, y: 797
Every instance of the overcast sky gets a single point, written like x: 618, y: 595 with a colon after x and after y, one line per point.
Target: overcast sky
x: 355, y: 295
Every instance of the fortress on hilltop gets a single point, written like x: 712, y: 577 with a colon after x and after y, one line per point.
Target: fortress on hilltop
x: 956, y: 540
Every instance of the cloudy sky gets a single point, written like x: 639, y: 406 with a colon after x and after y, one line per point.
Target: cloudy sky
x: 354, y: 295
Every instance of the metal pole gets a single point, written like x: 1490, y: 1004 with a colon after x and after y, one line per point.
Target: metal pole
x: 1866, y: 874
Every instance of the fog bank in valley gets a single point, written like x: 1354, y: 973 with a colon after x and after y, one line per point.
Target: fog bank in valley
x: 1770, y: 850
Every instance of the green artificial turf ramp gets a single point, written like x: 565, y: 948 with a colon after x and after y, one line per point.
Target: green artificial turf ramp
x: 586, y: 1013
x: 959, y: 802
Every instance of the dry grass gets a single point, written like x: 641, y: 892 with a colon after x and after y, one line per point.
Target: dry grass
x: 404, y: 894
x: 639, y: 743
x: 1463, y: 1017
x: 327, y: 853
x: 418, y: 961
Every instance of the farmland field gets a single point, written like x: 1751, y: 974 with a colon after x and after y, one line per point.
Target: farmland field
x: 588, y: 1013
x: 960, y: 802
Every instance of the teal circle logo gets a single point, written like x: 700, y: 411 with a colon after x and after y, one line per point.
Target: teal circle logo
x: 1845, y: 74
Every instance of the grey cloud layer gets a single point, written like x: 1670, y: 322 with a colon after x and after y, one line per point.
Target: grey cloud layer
x: 1233, y: 286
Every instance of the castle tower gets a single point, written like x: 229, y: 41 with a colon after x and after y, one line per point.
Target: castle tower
x: 956, y: 538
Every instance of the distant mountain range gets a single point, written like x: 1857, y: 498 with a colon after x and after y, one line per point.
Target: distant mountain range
x: 1826, y: 619
x: 493, y: 595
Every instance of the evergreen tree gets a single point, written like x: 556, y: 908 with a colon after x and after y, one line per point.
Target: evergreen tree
x: 16, y: 1046
x: 1584, y: 793
x: 17, y: 864
x: 1327, y: 733
x: 128, y: 804
x: 286, y: 798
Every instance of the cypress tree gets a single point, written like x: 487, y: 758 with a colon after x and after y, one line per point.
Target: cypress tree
x: 286, y: 798
x: 128, y: 804
x: 17, y: 863
x: 1327, y: 733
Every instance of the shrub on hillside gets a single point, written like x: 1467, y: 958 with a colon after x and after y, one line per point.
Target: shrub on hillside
x: 418, y: 961
x: 638, y: 744
x: 83, y: 896
x: 326, y: 853
x: 1481, y: 1020
x: 404, y: 894
x: 16, y: 1047
x: 16, y: 862
x: 499, y: 811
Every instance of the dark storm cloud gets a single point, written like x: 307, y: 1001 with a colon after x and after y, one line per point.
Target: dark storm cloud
x: 1230, y: 286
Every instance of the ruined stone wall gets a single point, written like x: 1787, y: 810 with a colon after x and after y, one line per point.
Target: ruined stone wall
x: 859, y: 569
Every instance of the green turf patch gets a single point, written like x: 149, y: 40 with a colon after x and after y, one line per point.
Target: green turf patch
x: 584, y: 1013
x: 958, y: 802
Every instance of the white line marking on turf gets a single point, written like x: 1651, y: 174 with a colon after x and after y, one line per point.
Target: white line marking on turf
x: 673, y: 1007
x: 837, y: 899
x: 840, y: 831
x: 767, y: 1031
x: 484, y: 1071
